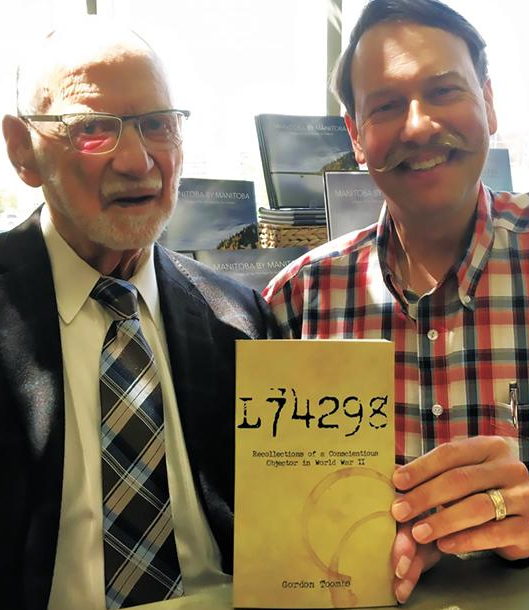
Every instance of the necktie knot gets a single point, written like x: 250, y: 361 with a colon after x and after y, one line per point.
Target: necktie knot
x: 119, y: 296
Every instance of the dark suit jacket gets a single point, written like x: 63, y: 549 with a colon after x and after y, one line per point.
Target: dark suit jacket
x: 203, y: 314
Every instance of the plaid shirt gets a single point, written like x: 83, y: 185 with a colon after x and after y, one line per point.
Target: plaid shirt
x: 457, y: 348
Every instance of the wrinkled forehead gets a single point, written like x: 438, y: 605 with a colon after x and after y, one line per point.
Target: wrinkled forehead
x: 122, y: 81
x: 99, y: 64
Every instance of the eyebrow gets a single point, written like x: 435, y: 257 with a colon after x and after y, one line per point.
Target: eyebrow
x: 374, y: 96
x: 448, y: 74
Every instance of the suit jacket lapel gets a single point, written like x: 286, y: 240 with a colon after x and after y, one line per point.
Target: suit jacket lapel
x: 202, y: 354
x: 31, y: 357
x: 190, y: 345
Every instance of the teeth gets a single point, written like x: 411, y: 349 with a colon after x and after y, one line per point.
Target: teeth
x: 428, y: 164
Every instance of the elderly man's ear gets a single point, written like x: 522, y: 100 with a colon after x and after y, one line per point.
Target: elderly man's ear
x: 20, y: 150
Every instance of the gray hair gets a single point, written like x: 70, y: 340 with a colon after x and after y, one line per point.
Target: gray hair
x: 63, y: 48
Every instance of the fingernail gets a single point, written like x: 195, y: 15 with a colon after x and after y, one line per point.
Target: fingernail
x: 445, y: 544
x: 403, y: 591
x: 400, y: 510
x: 421, y: 532
x: 402, y: 567
x: 401, y: 478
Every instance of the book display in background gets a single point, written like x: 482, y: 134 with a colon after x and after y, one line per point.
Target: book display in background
x: 497, y: 171
x: 293, y: 216
x: 254, y: 268
x: 314, y: 456
x: 295, y: 151
x: 352, y: 201
x: 292, y: 227
x: 217, y: 214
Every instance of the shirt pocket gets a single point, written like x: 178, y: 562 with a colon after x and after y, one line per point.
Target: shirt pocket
x: 498, y: 421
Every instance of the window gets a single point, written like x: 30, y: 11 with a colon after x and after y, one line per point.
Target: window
x: 227, y: 60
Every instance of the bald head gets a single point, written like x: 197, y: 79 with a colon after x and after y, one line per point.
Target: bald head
x: 84, y: 44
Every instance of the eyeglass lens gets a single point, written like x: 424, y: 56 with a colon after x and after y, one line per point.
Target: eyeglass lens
x: 94, y: 135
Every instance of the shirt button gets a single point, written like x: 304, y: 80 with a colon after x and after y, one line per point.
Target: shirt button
x: 437, y: 410
x: 432, y: 334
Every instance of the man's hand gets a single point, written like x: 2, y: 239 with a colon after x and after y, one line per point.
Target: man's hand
x: 410, y: 561
x: 454, y: 478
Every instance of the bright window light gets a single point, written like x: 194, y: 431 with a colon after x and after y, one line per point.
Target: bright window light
x: 229, y: 60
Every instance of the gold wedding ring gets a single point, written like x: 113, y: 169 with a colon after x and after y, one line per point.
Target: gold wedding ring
x: 499, y: 503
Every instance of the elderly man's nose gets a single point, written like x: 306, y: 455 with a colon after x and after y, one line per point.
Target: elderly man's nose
x: 131, y: 156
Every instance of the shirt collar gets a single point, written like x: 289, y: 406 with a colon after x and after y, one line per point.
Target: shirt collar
x: 476, y: 257
x: 387, y: 258
x: 469, y: 268
x: 67, y: 264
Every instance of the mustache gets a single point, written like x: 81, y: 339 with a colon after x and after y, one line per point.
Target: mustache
x: 113, y: 188
x: 448, y: 141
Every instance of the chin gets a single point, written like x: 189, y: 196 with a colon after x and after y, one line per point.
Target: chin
x: 127, y: 232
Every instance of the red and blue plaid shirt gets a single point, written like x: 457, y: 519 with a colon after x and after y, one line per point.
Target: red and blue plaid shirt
x: 457, y: 348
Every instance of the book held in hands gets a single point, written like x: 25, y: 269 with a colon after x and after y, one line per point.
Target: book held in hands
x: 315, y: 454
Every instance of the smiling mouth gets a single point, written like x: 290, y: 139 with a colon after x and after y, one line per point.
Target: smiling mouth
x: 441, y: 158
x: 442, y: 149
x: 428, y: 163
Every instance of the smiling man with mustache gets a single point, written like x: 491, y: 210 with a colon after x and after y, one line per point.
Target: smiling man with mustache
x: 117, y: 372
x: 443, y: 275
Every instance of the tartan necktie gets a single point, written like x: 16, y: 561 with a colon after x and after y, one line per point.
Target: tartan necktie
x: 141, y: 562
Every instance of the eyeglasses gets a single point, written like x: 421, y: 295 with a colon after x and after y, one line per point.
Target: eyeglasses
x: 98, y: 133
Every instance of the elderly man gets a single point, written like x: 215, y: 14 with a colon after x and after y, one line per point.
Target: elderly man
x: 443, y: 274
x: 117, y: 356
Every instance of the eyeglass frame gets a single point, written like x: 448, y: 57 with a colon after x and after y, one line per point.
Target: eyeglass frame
x: 59, y: 118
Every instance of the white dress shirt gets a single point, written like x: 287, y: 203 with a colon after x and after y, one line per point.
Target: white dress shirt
x: 78, y: 580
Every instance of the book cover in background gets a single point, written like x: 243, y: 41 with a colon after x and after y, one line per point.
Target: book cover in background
x: 303, y: 190
x: 352, y: 200
x: 254, y: 268
x: 497, y: 171
x: 314, y: 457
x: 212, y: 214
x: 296, y: 150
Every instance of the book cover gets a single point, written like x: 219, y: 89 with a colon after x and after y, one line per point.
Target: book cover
x: 352, y: 200
x: 314, y: 458
x: 254, y: 268
x: 497, y: 170
x: 296, y: 150
x: 212, y: 214
x: 298, y: 190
